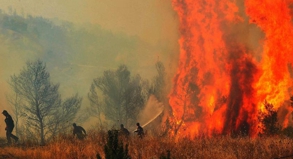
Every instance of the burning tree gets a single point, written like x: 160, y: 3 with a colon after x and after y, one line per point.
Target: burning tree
x: 288, y: 131
x: 269, y: 120
x: 41, y: 104
x: 222, y: 64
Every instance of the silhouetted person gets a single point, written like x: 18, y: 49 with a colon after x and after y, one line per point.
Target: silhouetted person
x: 139, y: 130
x: 79, y: 131
x: 9, y: 127
x: 123, y: 130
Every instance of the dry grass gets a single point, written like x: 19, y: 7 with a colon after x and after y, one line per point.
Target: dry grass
x: 65, y: 147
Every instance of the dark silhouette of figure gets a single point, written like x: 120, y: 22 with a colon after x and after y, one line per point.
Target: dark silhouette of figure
x: 139, y: 130
x: 79, y: 131
x: 9, y: 127
x: 123, y: 130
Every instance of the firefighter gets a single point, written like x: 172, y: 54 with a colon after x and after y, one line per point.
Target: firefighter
x: 139, y: 130
x: 79, y: 131
x: 9, y: 127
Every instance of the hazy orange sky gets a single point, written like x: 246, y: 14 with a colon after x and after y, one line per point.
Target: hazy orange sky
x: 152, y: 26
x: 152, y: 20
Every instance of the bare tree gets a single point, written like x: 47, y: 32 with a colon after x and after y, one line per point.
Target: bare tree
x: 66, y: 113
x: 95, y: 108
x: 159, y: 83
x: 121, y: 96
x: 134, y: 99
x: 42, y: 105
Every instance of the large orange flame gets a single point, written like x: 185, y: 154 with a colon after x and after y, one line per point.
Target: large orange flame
x: 274, y: 18
x: 220, y: 87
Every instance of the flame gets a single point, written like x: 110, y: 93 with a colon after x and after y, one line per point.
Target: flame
x: 220, y: 87
x: 274, y: 18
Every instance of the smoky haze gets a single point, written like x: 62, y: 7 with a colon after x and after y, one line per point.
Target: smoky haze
x: 152, y: 109
x: 80, y: 40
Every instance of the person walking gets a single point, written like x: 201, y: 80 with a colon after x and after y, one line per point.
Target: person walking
x: 79, y: 131
x: 9, y: 127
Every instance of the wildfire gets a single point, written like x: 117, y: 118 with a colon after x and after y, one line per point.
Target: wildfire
x: 220, y: 85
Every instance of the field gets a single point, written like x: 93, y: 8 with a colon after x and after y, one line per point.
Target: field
x: 66, y: 147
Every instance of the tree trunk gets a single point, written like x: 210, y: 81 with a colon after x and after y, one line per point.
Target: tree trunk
x: 42, y: 133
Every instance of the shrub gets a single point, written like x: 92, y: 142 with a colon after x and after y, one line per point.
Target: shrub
x: 166, y: 157
x: 269, y: 120
x: 113, y: 149
x: 288, y: 131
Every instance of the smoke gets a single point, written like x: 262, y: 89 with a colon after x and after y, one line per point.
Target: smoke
x: 152, y: 109
x: 246, y: 33
x: 82, y: 39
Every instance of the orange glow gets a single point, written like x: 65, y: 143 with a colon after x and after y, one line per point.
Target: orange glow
x: 220, y: 87
x: 274, y: 18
